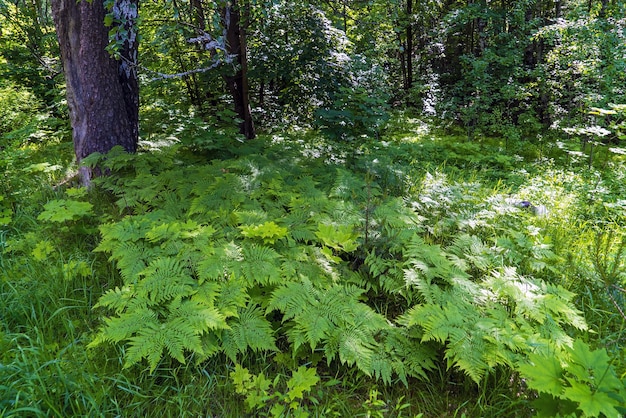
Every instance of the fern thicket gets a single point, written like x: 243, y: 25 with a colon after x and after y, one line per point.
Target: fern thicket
x: 231, y: 256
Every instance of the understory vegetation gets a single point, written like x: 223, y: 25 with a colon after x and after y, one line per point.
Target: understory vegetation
x: 278, y: 208
x: 294, y: 275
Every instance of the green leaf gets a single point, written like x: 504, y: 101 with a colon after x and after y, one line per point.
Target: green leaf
x: 593, y: 365
x: 545, y: 374
x: 592, y: 403
x: 340, y: 237
x: 64, y: 210
x: 269, y: 232
x: 241, y: 378
x: 42, y: 250
x: 302, y: 381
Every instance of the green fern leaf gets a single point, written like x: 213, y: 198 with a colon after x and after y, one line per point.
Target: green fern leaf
x: 260, y: 265
x: 249, y: 331
x: 132, y: 259
x: 127, y: 324
x: 116, y: 299
x: 355, y: 349
x: 292, y: 299
x: 232, y: 297
x: 149, y: 343
x: 197, y: 316
x: 164, y: 279
x: 314, y: 324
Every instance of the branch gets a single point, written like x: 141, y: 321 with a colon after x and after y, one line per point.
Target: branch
x: 162, y: 76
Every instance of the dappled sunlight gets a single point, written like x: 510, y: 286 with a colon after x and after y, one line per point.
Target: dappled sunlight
x: 296, y: 208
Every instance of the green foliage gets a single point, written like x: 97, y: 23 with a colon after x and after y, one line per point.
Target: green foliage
x: 575, y: 379
x: 5, y: 212
x: 64, y: 210
x: 268, y: 232
x: 395, y: 261
x: 300, y: 59
x: 233, y: 264
x: 355, y: 112
x: 16, y: 110
x: 264, y: 397
x: 397, y: 255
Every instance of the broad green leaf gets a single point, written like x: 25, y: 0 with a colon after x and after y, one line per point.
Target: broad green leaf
x: 545, y: 374
x: 241, y: 378
x: 592, y: 403
x: 594, y: 366
x: 341, y: 237
x: 302, y: 380
x: 64, y: 210
x: 269, y: 232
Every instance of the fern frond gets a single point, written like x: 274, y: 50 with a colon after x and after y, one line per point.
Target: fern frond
x: 116, y: 299
x: 219, y: 261
x: 148, y: 344
x: 382, y: 367
x: 132, y: 259
x: 472, y: 249
x: 354, y: 348
x: 291, y: 299
x: 348, y: 186
x: 260, y: 265
x: 232, y: 297
x: 179, y: 336
x: 249, y: 331
x: 466, y: 351
x: 197, y: 317
x: 408, y: 354
x: 164, y: 279
x: 206, y: 293
x: 313, y: 324
x: 251, y: 217
x: 225, y: 194
x: 128, y: 324
x: 127, y: 230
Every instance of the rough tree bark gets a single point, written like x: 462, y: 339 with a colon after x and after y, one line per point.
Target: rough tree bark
x: 102, y: 92
x: 238, y: 83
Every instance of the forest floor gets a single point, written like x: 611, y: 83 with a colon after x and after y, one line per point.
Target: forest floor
x: 549, y: 209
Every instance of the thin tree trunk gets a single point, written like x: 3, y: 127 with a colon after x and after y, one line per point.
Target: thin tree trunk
x: 238, y: 83
x: 102, y: 93
x: 409, y: 49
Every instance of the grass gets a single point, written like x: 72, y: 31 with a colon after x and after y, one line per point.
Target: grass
x: 50, y: 281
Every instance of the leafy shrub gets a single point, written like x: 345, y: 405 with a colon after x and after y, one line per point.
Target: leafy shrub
x: 355, y: 112
x: 261, y: 393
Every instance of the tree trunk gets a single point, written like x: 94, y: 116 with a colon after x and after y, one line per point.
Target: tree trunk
x: 102, y: 92
x: 409, y: 50
x: 238, y: 83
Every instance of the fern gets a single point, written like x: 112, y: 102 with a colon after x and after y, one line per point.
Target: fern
x: 250, y: 330
x: 163, y: 280
x: 230, y: 257
x: 260, y: 265
x: 333, y: 317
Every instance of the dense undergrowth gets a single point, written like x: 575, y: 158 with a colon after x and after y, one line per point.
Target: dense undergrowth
x: 291, y: 275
